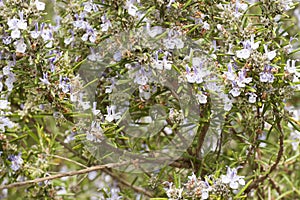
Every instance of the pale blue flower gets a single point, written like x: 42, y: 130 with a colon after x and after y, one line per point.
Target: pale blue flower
x: 45, y: 78
x: 266, y: 76
x: 242, y: 80
x: 152, y: 32
x: 16, y: 161
x: 89, y: 6
x: 142, y: 77
x: 79, y: 22
x: 6, y: 39
x: 90, y: 34
x: 5, y: 122
x: 68, y: 40
x: 11, y: 78
x: 20, y: 46
x: 22, y: 23
x: 249, y: 46
x: 64, y: 84
x: 230, y: 75
x: 105, y: 23
x: 232, y: 178
x: 132, y: 9
x: 117, y: 56
x: 235, y: 91
x: 39, y: 5
x: 36, y: 33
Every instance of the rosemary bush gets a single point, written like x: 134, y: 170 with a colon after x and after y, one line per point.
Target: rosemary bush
x: 157, y: 99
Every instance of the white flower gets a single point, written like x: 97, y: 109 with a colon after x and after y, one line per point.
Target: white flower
x: 196, y: 76
x: 254, y: 45
x: 49, y: 44
x: 270, y: 55
x: 141, y: 77
x: 201, y: 98
x: 16, y: 162
x: 94, y: 109
x: 287, y: 4
x: 295, y: 137
x: 5, y: 122
x: 10, y: 81
x: 205, y: 194
x: 111, y: 114
x: 156, y: 30
x: 206, y: 26
x: 228, y: 106
x: 232, y: 178
x: 243, y: 54
x: 291, y: 68
x: 85, y: 37
x: 4, y: 104
x: 46, y: 34
x: 22, y: 24
x: 242, y: 80
x: 68, y: 41
x: 93, y: 38
x: 12, y: 23
x: 170, y: 3
x: 85, y: 104
x: 20, y: 46
x: 249, y: 45
x: 171, y: 43
x: 34, y: 34
x: 15, y: 34
x: 252, y: 97
x: 235, y: 92
x: 39, y: 5
x: 106, y: 24
x: 132, y: 9
x: 141, y: 80
x: 163, y: 64
x: 45, y: 79
x: 230, y: 75
x: 88, y: 6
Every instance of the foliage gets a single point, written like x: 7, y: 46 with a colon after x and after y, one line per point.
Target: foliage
x: 146, y: 99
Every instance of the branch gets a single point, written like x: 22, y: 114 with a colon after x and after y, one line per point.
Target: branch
x: 109, y: 172
x: 256, y: 183
x: 72, y: 173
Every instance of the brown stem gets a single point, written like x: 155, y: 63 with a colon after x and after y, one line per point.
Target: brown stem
x: 72, y: 173
x: 274, y: 185
x: 201, y: 138
x: 260, y: 180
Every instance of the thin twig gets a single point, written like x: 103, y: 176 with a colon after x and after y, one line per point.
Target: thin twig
x: 60, y: 175
x: 274, y: 185
x: 258, y: 181
x: 114, y: 176
x: 123, y: 182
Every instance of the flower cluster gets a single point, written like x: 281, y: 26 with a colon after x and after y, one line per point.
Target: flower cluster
x: 209, y: 188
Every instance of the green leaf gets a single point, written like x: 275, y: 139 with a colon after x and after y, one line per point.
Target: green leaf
x: 238, y: 195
